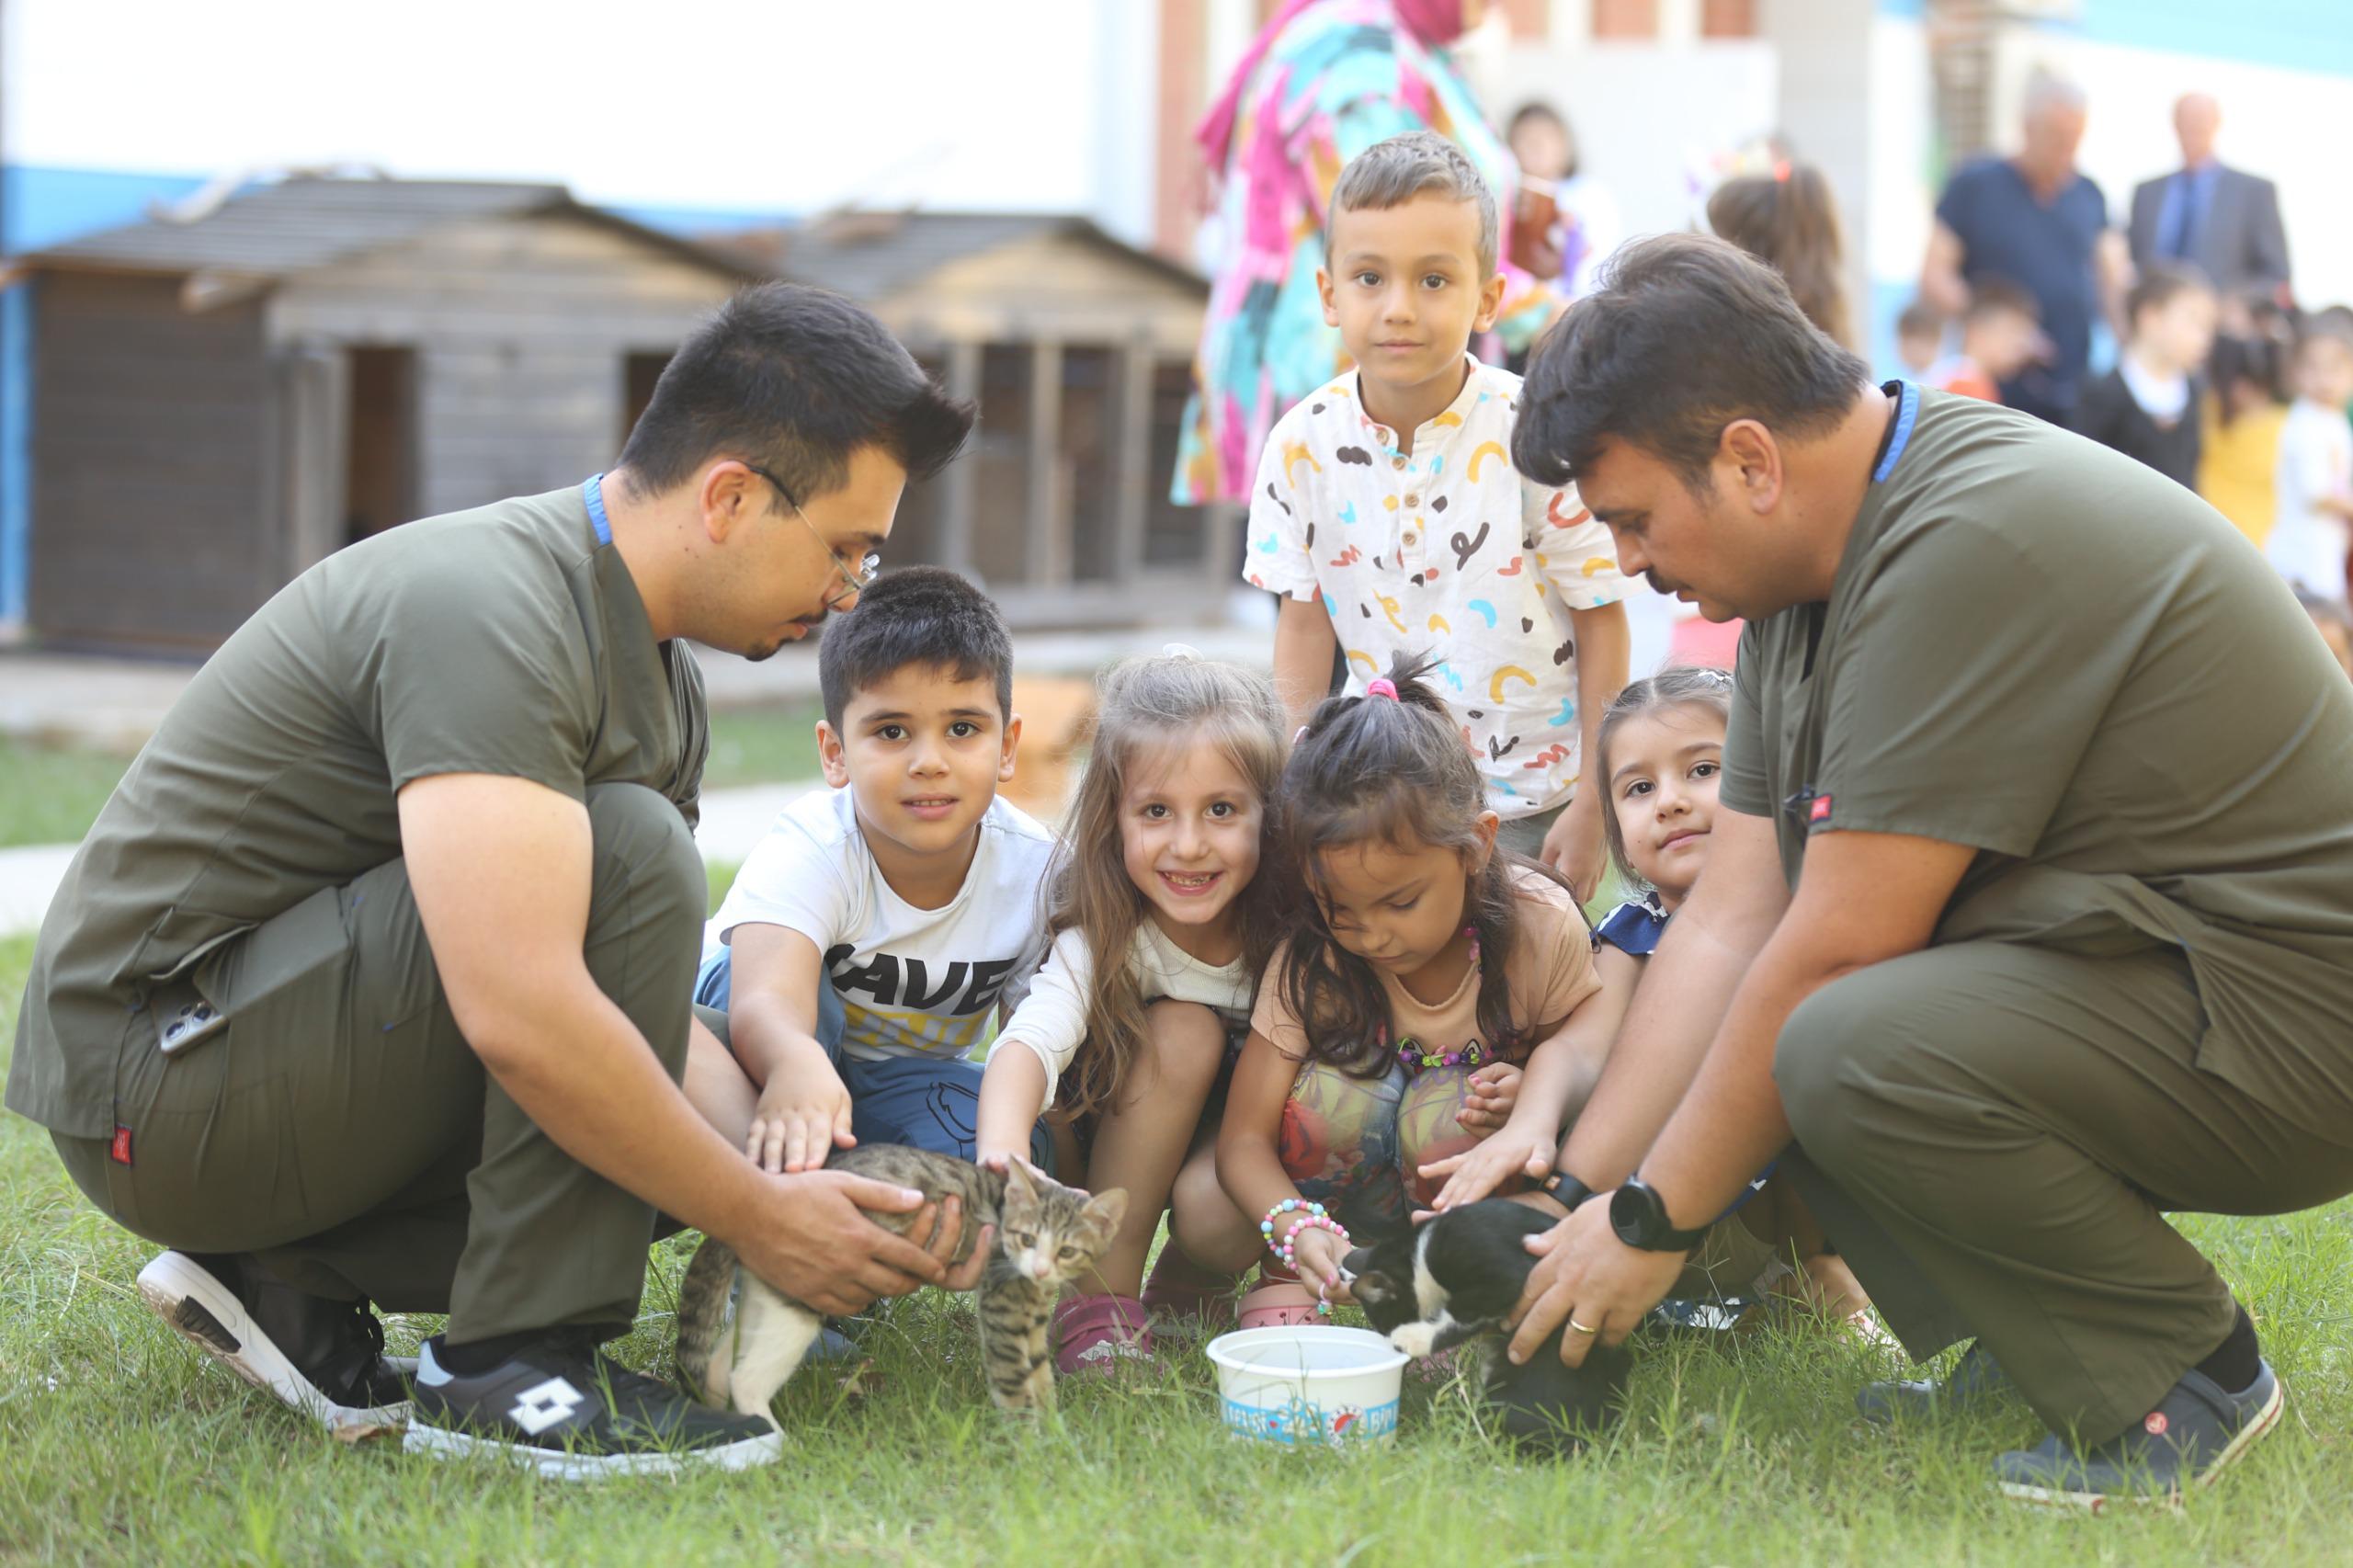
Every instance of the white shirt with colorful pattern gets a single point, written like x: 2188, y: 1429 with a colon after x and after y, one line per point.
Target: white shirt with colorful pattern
x: 1446, y: 550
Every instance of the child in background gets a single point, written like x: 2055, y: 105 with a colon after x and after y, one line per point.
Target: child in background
x: 1389, y: 517
x: 1582, y: 224
x: 1434, y: 992
x: 1788, y: 220
x: 2001, y: 333
x: 2239, y: 448
x: 1164, y: 872
x: 1919, y: 338
x: 2146, y: 407
x: 2313, y: 481
x: 880, y: 923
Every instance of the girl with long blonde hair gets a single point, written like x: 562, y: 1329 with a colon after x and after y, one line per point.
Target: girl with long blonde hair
x: 1164, y: 912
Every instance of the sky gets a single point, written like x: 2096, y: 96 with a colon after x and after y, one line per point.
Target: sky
x: 791, y: 105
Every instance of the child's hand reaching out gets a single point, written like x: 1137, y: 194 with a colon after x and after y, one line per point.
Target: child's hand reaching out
x: 801, y: 1118
x: 1473, y: 1173
x: 1493, y: 1090
x: 1317, y: 1254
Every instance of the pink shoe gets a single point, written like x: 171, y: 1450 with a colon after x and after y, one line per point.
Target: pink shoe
x: 1187, y: 1299
x: 1279, y: 1302
x: 1100, y: 1334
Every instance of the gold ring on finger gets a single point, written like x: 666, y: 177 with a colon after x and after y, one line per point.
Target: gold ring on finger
x: 1576, y: 1327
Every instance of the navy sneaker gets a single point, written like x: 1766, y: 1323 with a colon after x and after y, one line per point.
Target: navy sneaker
x: 1976, y: 1380
x: 2195, y: 1432
x: 569, y: 1411
x: 324, y: 1358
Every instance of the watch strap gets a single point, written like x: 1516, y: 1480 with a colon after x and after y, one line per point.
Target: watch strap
x: 1565, y: 1189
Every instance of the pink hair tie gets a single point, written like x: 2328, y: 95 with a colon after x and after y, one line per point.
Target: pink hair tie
x: 1382, y: 685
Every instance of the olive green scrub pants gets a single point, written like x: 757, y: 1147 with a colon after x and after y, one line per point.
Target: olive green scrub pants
x: 1991, y: 1133
x: 341, y: 1129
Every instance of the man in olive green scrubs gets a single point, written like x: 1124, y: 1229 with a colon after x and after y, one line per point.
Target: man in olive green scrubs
x: 2029, y: 910
x: 371, y: 982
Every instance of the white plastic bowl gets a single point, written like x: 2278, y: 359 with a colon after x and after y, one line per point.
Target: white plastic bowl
x: 1307, y: 1383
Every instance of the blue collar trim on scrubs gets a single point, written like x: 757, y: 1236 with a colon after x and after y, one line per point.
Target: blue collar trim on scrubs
x: 594, y: 494
x: 1907, y: 410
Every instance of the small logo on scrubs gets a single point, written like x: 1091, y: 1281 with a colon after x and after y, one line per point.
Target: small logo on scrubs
x: 2156, y: 1424
x: 1819, y: 810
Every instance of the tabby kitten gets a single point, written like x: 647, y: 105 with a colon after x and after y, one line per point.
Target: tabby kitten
x: 1455, y: 1278
x: 1048, y: 1235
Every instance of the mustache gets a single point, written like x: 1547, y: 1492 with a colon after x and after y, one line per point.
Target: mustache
x: 1661, y: 585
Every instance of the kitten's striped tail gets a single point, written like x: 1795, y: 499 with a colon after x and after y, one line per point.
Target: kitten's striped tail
x: 706, y: 1350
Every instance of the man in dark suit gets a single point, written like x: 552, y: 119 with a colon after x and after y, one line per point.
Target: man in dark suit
x: 2223, y: 222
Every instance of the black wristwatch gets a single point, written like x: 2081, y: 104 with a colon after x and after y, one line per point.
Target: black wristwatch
x: 1639, y: 1216
x: 1565, y: 1189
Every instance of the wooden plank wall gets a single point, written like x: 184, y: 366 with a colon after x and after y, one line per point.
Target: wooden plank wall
x: 522, y: 327
x: 150, y: 449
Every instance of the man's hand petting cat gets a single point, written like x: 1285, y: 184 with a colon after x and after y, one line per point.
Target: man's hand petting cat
x: 816, y: 1244
x: 1584, y: 1275
x: 1475, y: 1173
x: 799, y: 1121
x: 1317, y: 1254
x: 1492, y: 1091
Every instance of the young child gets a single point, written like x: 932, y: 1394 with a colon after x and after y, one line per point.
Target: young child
x: 2147, y: 406
x: 1919, y: 338
x: 1434, y: 992
x: 2314, y: 479
x: 1788, y: 220
x: 1390, y: 519
x: 1162, y: 871
x: 1661, y: 753
x: 872, y: 932
x: 2001, y: 335
x: 2238, y: 449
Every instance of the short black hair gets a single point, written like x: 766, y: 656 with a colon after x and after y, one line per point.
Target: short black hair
x: 1687, y: 333
x: 1994, y: 293
x: 2160, y: 283
x: 794, y: 379
x: 916, y: 615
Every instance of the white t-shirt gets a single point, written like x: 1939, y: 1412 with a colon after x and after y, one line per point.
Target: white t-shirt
x: 2315, y: 461
x: 1445, y: 550
x: 1052, y: 1020
x: 913, y: 981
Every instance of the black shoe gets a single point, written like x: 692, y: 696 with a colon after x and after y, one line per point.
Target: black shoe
x: 2195, y: 1432
x: 1977, y: 1379
x: 324, y: 1358
x: 571, y: 1412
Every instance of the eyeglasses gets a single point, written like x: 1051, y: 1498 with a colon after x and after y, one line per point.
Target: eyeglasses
x: 859, y: 577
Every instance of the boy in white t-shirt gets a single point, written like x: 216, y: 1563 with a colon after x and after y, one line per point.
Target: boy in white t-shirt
x: 872, y: 933
x: 1389, y: 517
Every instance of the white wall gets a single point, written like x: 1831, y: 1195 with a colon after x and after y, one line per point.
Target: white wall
x: 774, y: 104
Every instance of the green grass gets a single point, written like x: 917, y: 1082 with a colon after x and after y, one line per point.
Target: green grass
x: 762, y: 745
x: 121, y: 1444
x: 53, y: 792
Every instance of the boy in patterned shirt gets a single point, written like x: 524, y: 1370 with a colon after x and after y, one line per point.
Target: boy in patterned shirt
x: 1387, y: 516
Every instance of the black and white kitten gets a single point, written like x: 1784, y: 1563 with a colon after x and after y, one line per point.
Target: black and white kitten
x: 1456, y: 1277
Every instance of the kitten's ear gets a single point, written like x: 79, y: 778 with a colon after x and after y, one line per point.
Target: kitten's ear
x: 1019, y: 1179
x: 1109, y: 1208
x: 1358, y: 1263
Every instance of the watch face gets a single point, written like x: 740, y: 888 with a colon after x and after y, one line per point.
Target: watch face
x: 1636, y: 1215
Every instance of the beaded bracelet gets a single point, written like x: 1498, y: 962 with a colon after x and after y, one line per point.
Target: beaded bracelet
x: 1289, y: 1204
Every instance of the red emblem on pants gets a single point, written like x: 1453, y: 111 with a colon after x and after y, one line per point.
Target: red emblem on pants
x: 1821, y: 810
x: 119, y: 1150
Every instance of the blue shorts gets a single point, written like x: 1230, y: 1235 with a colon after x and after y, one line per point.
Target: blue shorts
x: 924, y: 1102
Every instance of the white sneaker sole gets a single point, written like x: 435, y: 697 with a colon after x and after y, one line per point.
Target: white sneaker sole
x: 439, y: 1442
x: 174, y: 1283
x: 2099, y: 1502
